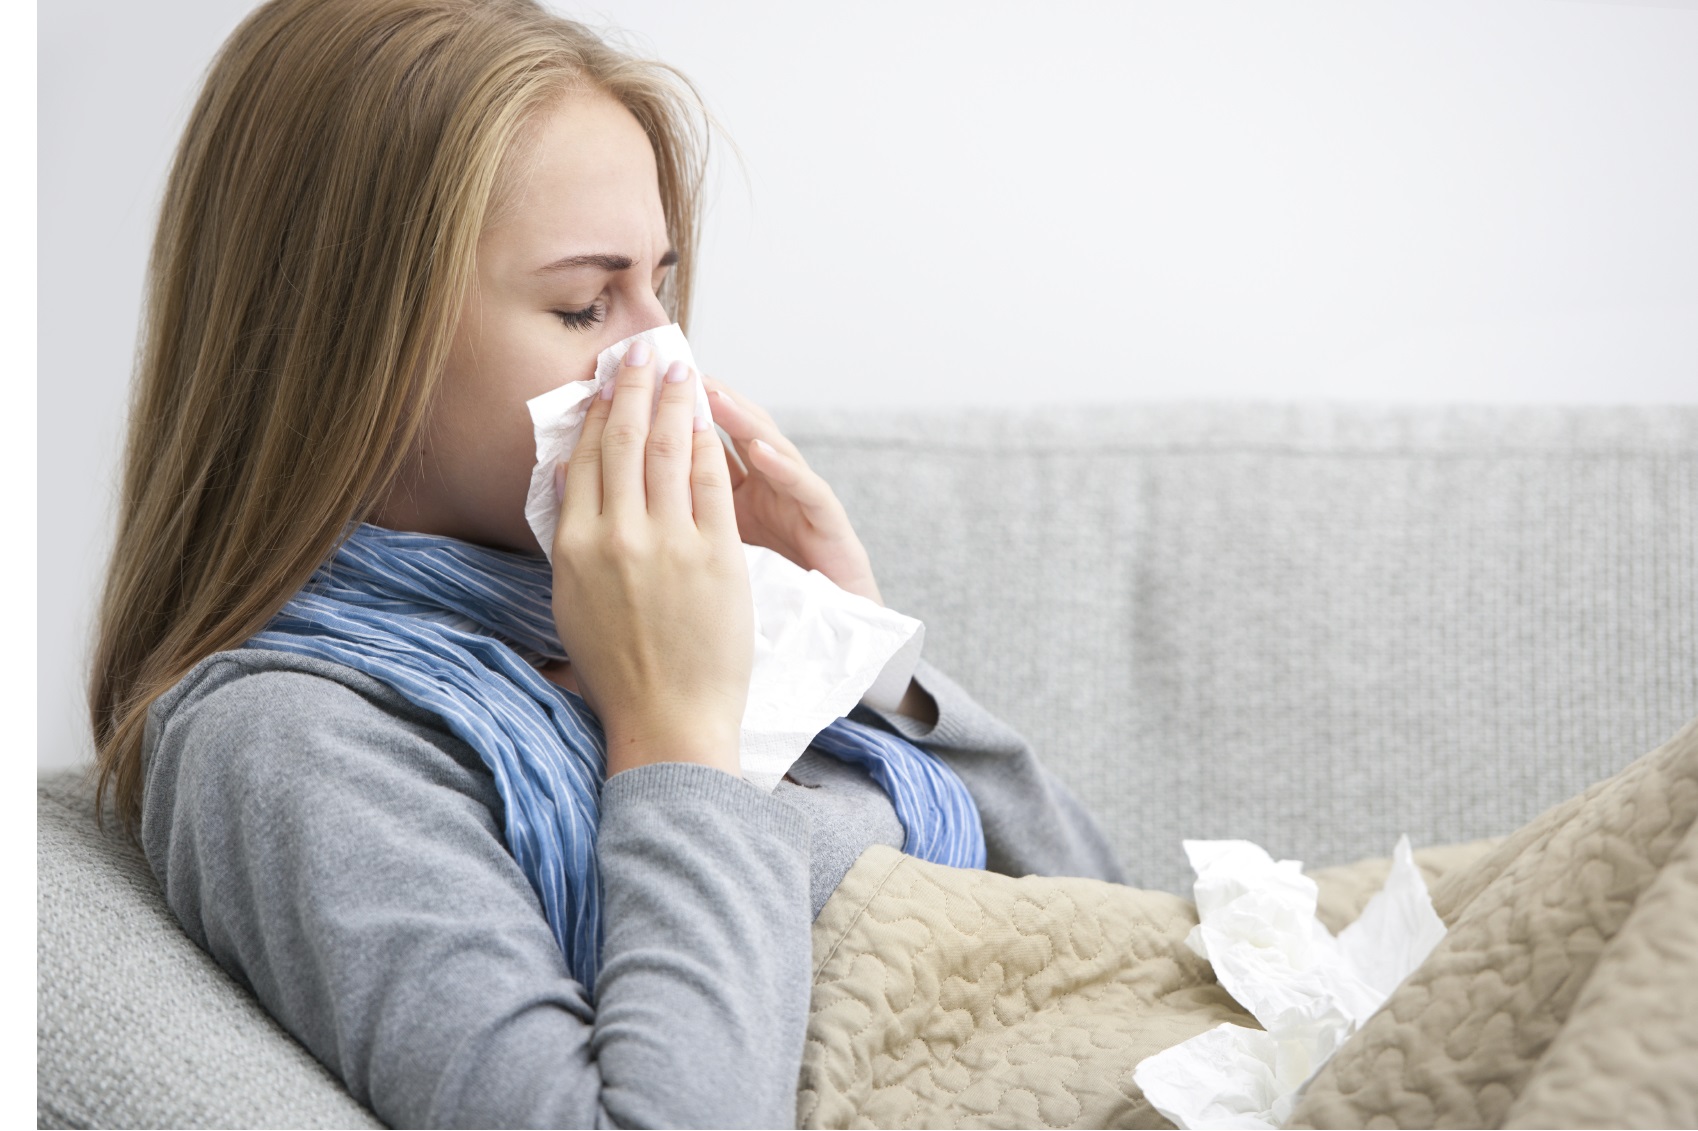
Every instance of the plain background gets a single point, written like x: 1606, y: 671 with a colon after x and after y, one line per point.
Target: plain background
x: 951, y: 204
x: 18, y: 953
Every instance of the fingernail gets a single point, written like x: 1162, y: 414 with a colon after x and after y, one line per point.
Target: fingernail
x: 559, y: 481
x: 676, y: 372
x: 638, y: 354
x: 607, y: 389
x: 764, y: 446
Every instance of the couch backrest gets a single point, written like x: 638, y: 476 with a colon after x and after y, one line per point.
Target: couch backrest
x: 1312, y: 627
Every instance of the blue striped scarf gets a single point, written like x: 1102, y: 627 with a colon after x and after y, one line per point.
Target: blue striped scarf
x: 449, y: 625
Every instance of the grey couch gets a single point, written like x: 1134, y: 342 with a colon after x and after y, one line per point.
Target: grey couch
x: 1314, y: 627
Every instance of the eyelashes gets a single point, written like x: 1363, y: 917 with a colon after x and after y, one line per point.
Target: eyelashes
x: 594, y: 313
x: 582, y: 319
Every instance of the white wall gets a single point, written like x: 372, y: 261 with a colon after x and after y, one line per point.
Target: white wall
x: 1427, y: 200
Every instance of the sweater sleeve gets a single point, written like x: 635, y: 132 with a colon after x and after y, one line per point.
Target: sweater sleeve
x: 1033, y: 823
x: 345, y: 861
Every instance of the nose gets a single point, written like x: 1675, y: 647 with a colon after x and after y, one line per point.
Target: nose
x: 643, y: 312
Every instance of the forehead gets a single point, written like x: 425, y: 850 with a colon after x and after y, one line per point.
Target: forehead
x: 587, y: 177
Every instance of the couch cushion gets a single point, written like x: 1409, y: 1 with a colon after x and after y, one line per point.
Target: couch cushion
x: 1314, y: 627
x: 135, y: 1025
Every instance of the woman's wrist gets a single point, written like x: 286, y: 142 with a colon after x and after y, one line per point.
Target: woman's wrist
x: 706, y: 746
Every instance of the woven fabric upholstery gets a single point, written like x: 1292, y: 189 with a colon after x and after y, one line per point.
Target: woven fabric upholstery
x: 135, y: 1025
x: 1314, y: 627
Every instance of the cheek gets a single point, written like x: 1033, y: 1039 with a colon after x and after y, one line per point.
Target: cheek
x: 494, y: 369
x: 496, y: 364
x: 533, y: 354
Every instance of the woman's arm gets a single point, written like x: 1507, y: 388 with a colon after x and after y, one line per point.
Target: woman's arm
x: 1033, y: 823
x: 341, y: 854
x: 651, y: 590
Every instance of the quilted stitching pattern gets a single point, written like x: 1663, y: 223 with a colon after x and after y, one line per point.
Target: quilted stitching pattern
x: 1587, y: 912
x: 949, y: 998
x: 1565, y: 994
x: 1629, y: 1053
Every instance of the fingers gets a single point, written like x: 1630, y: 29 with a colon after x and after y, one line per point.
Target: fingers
x: 624, y: 438
x: 766, y: 450
x: 732, y: 397
x: 670, y: 451
x: 710, y: 488
x: 744, y: 420
x: 625, y: 464
x: 770, y: 462
x: 795, y: 478
x: 583, y: 481
x: 734, y: 461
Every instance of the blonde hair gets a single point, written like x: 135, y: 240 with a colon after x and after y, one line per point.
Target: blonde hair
x: 319, y: 227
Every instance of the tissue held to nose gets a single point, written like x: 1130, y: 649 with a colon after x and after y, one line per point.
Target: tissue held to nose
x: 557, y: 420
x: 818, y: 649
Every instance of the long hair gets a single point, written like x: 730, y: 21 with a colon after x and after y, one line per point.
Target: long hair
x: 319, y: 227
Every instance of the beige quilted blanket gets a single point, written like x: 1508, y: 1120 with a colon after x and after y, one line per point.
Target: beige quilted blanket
x: 1565, y: 994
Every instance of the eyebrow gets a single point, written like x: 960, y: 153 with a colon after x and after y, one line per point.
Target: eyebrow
x: 606, y: 261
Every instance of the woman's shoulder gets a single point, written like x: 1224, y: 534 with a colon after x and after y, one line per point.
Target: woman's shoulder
x: 277, y: 686
x: 248, y: 700
x: 253, y: 723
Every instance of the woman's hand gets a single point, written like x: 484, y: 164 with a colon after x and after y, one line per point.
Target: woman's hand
x: 782, y: 504
x: 651, y: 594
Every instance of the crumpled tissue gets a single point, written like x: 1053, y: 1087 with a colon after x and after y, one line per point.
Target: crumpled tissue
x: 818, y: 649
x: 1309, y: 990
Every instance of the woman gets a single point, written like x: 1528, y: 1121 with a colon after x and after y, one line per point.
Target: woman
x: 389, y: 224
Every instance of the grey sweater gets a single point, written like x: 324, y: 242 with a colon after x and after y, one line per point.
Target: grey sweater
x: 341, y: 853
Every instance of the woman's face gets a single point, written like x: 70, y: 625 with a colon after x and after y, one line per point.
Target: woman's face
x: 569, y: 269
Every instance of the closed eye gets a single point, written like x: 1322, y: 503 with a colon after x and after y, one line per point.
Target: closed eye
x: 582, y: 319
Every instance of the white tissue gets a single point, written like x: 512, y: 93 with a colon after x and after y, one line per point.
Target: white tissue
x: 557, y: 419
x: 1308, y: 990
x: 818, y: 649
